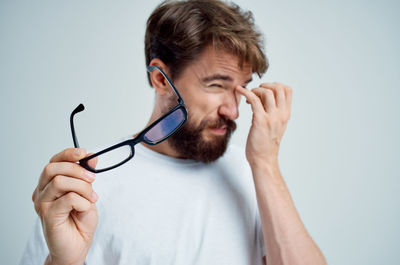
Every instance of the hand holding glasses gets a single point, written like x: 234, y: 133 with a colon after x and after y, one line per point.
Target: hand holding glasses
x: 155, y: 133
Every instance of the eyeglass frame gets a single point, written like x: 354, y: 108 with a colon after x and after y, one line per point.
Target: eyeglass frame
x: 139, y: 138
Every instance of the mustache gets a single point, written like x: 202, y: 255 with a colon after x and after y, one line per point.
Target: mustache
x: 221, y: 122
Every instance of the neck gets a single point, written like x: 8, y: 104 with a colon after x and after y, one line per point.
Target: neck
x: 163, y: 148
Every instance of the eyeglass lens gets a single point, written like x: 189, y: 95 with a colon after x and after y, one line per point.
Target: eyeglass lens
x: 157, y: 133
x: 165, y: 127
x: 111, y: 158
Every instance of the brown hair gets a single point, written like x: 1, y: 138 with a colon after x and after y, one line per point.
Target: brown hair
x: 178, y: 31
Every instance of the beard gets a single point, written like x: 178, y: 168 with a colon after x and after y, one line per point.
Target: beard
x: 190, y: 142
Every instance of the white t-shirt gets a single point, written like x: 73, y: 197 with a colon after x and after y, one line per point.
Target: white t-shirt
x: 156, y: 209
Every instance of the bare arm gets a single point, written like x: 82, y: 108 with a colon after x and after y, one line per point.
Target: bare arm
x: 285, y: 237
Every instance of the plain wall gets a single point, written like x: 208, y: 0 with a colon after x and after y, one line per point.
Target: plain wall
x: 340, y: 152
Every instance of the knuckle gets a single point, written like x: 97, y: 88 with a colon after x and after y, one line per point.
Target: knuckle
x: 47, y: 168
x: 269, y: 92
x: 254, y: 90
x: 87, y: 204
x: 40, y: 208
x: 37, y: 207
x: 52, y: 158
x: 280, y: 88
x: 57, y: 182
x: 285, y: 117
x: 70, y: 196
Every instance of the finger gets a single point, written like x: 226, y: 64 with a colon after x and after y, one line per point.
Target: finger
x: 252, y: 99
x: 61, y: 185
x: 279, y: 91
x: 69, y: 155
x: 92, y: 162
x: 65, y: 169
x: 261, y: 96
x: 268, y: 98
x: 70, y: 201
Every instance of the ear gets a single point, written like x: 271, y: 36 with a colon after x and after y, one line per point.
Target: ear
x: 158, y: 81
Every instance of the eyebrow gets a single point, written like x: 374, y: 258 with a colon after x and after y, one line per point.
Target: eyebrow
x: 221, y: 77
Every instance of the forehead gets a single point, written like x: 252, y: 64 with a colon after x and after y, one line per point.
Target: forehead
x: 213, y: 61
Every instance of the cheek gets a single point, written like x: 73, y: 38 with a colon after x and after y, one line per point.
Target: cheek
x: 210, y: 103
x: 204, y: 106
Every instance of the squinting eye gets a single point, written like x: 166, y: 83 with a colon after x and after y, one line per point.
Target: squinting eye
x: 216, y: 85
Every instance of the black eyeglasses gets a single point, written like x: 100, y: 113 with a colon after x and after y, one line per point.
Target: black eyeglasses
x: 155, y: 133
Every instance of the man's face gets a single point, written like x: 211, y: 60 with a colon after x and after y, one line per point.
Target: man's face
x: 208, y: 88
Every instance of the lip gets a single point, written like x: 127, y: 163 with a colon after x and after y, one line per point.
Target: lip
x: 219, y: 131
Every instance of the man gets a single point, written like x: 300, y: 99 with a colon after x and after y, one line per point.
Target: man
x: 190, y: 199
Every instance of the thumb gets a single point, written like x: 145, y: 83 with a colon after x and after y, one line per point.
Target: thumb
x: 92, y: 162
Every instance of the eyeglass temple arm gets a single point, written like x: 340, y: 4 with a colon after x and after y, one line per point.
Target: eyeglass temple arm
x: 71, y: 120
x: 150, y: 69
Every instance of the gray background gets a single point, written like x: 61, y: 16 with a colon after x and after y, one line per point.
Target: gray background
x: 339, y: 155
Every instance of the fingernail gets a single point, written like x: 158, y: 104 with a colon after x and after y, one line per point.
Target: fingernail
x: 89, y: 175
x: 77, y: 152
x: 94, y: 196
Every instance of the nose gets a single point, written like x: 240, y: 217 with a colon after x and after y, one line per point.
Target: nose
x: 230, y: 106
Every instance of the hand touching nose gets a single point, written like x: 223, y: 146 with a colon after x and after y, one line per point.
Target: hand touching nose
x: 271, y: 106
